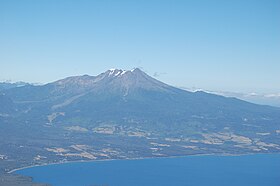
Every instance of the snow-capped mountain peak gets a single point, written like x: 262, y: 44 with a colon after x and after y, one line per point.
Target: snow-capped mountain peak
x: 119, y: 72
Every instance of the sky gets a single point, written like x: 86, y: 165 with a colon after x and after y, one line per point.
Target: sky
x: 222, y: 45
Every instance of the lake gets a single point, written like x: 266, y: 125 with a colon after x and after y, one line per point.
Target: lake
x: 210, y: 170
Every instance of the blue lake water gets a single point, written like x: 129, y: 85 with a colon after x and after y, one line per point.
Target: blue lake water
x: 246, y: 170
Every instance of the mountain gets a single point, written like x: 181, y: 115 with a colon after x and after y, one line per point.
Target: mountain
x: 127, y: 114
x: 114, y: 80
x: 8, y: 85
x: 118, y: 96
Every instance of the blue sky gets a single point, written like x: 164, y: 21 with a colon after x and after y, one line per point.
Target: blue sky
x: 216, y: 45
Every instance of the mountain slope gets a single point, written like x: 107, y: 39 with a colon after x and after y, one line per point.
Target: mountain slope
x: 7, y: 105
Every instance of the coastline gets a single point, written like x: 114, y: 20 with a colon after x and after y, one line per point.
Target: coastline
x: 140, y: 158
x: 101, y: 160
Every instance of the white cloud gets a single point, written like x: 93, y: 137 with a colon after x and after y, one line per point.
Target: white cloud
x: 277, y: 95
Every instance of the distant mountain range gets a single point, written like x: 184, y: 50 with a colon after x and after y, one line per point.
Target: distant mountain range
x: 8, y: 85
x: 272, y: 98
x: 128, y: 114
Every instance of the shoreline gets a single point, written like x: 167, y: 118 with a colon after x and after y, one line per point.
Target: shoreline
x: 140, y: 158
x: 101, y: 160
